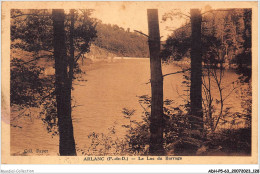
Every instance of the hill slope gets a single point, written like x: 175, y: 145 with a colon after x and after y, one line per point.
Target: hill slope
x: 121, y: 42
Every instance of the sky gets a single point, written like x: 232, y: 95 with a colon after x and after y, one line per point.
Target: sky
x: 133, y: 15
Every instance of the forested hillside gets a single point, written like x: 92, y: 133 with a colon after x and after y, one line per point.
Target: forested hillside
x: 120, y: 41
x: 226, y: 36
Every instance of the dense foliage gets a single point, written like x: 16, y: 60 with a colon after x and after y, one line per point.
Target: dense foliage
x: 177, y: 135
x: 226, y: 39
x: 120, y: 41
x: 32, y: 35
x: 32, y: 56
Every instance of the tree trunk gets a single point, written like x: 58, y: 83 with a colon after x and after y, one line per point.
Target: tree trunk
x: 196, y: 114
x: 62, y: 86
x: 72, y: 50
x: 156, y: 120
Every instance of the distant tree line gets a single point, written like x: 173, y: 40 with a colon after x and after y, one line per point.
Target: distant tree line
x: 120, y: 41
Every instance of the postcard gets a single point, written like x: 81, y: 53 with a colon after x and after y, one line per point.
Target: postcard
x: 127, y: 82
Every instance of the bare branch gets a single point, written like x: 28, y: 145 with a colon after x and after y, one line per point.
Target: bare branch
x: 234, y: 88
x: 143, y: 107
x: 49, y: 95
x: 180, y: 94
x: 177, y: 72
x: 141, y: 33
x: 211, y: 11
x: 175, y: 12
x: 28, y: 15
x: 37, y: 58
x: 79, y: 55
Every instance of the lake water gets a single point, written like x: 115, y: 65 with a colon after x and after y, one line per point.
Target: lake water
x: 109, y: 88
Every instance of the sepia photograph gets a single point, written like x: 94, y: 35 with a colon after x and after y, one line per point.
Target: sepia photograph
x: 130, y: 82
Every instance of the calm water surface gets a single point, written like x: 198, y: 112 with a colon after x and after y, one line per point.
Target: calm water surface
x: 100, y: 100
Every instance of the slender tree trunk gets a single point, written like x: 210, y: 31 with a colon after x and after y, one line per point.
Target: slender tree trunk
x: 247, y: 36
x: 196, y: 114
x: 72, y: 50
x: 156, y: 121
x: 62, y: 86
x: 211, y: 121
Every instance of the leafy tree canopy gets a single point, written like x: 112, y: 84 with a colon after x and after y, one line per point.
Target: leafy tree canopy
x: 226, y: 38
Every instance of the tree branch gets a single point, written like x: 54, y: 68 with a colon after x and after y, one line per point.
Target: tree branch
x: 28, y: 15
x: 141, y: 33
x: 177, y: 72
x: 234, y: 88
x: 78, y: 56
x: 210, y: 11
x: 36, y: 58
